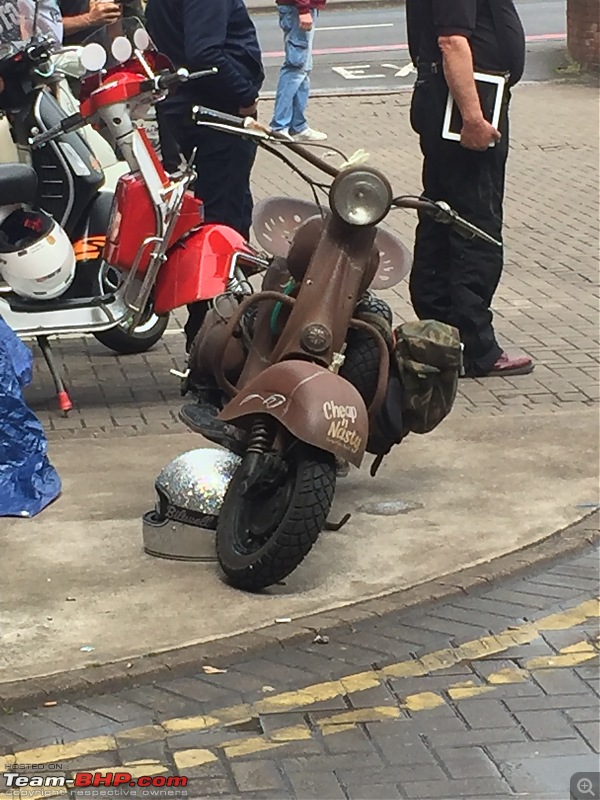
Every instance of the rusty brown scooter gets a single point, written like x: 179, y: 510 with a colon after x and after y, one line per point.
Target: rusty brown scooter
x: 287, y: 411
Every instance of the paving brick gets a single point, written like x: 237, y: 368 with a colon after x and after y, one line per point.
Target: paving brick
x: 483, y: 713
x: 475, y: 738
x: 538, y: 590
x: 395, y: 751
x: 323, y: 763
x: 569, y: 581
x: 372, y: 791
x: 577, y: 569
x: 591, y: 733
x: 162, y: 703
x: 253, y: 777
x: 146, y: 751
x: 385, y: 645
x: 452, y: 789
x: 473, y: 763
x: 589, y: 672
x: 213, y: 770
x: 359, y: 657
x: 316, y: 785
x: 481, y: 620
x: 276, y: 674
x: 589, y: 713
x: 210, y: 787
x: 452, y: 628
x: 350, y: 741
x: 210, y: 738
x: 560, y: 681
x: 31, y: 728
x: 419, y: 638
x: 72, y: 718
x: 403, y: 687
x: 235, y: 681
x: 197, y: 690
x: 524, y: 602
x: 116, y: 709
x: 571, y: 703
x: 312, y: 662
x: 377, y: 696
x: 270, y: 723
x: 559, y: 639
x: 503, y: 609
x: 519, y: 752
x: 544, y: 725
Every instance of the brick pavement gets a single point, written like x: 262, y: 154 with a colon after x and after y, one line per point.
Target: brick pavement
x: 490, y: 694
x: 547, y: 303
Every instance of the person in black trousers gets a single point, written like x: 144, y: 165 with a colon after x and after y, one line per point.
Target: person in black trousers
x: 199, y: 34
x: 454, y: 279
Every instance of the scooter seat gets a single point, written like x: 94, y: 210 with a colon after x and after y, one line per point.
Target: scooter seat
x: 18, y: 184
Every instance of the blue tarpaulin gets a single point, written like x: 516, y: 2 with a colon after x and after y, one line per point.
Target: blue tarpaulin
x: 28, y: 482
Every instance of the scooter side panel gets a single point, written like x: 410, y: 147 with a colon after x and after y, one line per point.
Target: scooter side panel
x: 315, y: 405
x: 198, y: 268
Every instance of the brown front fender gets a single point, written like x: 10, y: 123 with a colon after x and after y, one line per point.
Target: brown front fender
x: 315, y: 405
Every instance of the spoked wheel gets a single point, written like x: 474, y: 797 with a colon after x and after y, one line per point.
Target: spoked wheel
x: 144, y: 336
x: 265, y: 532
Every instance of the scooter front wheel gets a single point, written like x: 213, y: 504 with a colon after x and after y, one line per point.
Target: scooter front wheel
x: 125, y: 342
x: 264, y: 533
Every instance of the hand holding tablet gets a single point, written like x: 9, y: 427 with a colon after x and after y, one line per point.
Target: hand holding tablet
x: 490, y: 89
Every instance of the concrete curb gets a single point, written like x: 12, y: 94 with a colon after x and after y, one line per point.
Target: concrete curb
x: 19, y: 695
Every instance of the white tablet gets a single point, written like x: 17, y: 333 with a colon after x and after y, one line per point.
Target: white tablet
x: 490, y: 89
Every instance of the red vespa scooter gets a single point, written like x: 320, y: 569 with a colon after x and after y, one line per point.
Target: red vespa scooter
x: 157, y: 240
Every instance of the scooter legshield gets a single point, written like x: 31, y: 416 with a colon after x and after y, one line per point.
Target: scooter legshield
x: 197, y: 268
x: 316, y: 406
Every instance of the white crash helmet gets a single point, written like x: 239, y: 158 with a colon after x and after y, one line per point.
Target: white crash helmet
x: 36, y: 257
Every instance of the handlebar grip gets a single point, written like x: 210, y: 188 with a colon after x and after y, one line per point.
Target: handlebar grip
x: 64, y: 126
x: 47, y: 136
x: 201, y: 113
x: 446, y: 213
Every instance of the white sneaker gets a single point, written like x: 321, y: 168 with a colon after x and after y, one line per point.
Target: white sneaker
x: 309, y: 135
x: 283, y: 132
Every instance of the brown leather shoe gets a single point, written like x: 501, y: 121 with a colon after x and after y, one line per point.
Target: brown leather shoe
x: 511, y: 365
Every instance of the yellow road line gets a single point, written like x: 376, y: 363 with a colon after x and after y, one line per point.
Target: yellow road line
x: 337, y: 722
x: 476, y: 649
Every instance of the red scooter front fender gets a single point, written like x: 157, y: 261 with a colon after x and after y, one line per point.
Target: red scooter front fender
x: 198, y: 268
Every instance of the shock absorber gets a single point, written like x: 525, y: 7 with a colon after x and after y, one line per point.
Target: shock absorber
x: 261, y: 435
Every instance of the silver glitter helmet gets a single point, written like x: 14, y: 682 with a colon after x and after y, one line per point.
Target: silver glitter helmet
x: 190, y: 491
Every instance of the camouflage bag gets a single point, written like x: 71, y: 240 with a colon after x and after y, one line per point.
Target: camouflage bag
x: 429, y: 357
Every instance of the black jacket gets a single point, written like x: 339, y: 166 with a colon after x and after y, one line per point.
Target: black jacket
x: 199, y: 34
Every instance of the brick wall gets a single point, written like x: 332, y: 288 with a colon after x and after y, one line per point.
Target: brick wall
x: 583, y: 32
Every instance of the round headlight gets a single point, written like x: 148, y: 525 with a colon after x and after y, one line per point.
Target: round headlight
x: 360, y: 196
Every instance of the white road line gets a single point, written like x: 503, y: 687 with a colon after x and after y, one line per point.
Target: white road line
x: 355, y: 27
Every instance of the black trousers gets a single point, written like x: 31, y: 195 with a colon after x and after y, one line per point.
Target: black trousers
x: 169, y: 148
x: 454, y: 279
x: 223, y: 162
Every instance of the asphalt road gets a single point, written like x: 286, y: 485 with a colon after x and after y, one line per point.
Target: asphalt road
x: 366, y: 49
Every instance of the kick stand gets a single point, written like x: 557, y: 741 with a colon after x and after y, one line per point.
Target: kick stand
x: 64, y: 401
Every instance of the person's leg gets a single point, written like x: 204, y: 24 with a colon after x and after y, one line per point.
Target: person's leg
x: 223, y: 163
x: 298, y: 122
x: 429, y: 282
x: 293, y: 72
x: 474, y: 188
x: 169, y: 149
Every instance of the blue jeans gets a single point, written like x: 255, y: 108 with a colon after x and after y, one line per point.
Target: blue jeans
x: 294, y: 79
